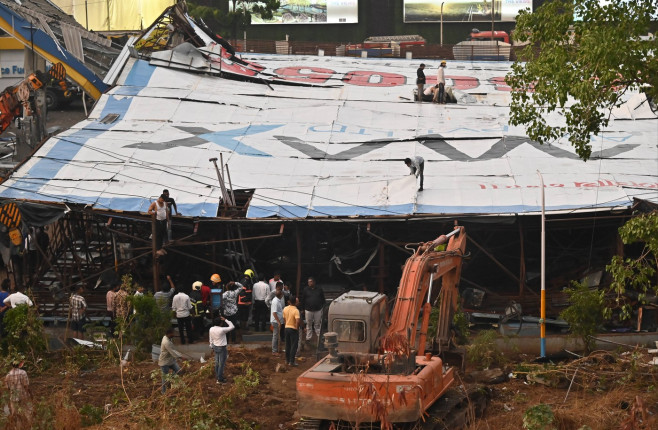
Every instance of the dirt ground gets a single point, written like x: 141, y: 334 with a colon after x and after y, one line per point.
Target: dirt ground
x: 610, y: 391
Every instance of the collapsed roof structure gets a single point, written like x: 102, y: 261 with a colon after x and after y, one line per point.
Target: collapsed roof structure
x: 319, y: 141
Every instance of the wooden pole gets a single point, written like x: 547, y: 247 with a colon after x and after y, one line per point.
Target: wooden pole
x: 154, y: 249
x: 299, y: 257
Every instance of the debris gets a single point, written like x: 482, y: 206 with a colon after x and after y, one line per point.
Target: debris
x: 489, y: 376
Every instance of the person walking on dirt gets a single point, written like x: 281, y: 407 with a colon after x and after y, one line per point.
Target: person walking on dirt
x: 78, y: 307
x: 20, y: 397
x: 260, y: 292
x: 313, y: 302
x: 276, y: 318
x: 292, y: 319
x: 218, y: 344
x: 182, y: 306
x: 168, y: 355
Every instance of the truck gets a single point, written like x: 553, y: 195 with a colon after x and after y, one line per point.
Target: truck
x: 385, y: 370
x: 499, y: 36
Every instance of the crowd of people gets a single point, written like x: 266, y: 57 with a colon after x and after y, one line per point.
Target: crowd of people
x: 222, y: 311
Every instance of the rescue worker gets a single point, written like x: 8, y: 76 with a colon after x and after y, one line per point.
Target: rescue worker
x: 198, y: 309
x: 245, y: 300
x: 216, y: 291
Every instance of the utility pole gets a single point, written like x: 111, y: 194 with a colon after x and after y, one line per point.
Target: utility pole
x: 493, y: 8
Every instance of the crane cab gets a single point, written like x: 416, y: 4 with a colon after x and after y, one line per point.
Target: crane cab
x: 357, y: 317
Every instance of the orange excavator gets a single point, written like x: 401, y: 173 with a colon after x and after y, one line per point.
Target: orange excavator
x: 383, y: 371
x: 21, y: 96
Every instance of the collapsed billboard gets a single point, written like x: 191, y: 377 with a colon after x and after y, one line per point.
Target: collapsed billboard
x: 463, y: 10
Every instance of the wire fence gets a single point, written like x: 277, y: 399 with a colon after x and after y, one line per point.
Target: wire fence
x: 477, y: 51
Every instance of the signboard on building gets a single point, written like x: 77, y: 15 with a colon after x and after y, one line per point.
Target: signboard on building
x: 316, y: 12
x: 463, y: 10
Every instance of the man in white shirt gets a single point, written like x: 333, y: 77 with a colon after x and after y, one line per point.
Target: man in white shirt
x: 260, y: 292
x: 17, y: 298
x: 440, y: 96
x: 416, y: 166
x: 218, y: 344
x: 182, y: 305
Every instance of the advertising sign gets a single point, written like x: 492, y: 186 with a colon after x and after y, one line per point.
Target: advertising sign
x: 313, y: 12
x: 463, y: 10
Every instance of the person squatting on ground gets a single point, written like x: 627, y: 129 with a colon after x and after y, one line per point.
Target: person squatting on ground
x: 78, y: 307
x: 162, y: 214
x: 230, y: 305
x: 182, y: 306
x: 276, y: 318
x: 292, y: 318
x: 20, y: 396
x: 168, y: 355
x: 313, y: 302
x: 261, y: 290
x: 218, y: 343
x: 416, y: 167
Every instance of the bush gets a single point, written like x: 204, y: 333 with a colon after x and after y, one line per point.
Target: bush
x: 585, y: 314
x: 539, y: 417
x: 148, y: 324
x: 24, y: 333
x: 483, y: 352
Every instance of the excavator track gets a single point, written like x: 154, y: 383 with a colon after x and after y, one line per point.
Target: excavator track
x: 457, y: 408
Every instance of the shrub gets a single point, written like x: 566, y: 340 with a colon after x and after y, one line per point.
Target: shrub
x: 24, y: 333
x: 484, y: 352
x: 585, y: 314
x: 538, y: 417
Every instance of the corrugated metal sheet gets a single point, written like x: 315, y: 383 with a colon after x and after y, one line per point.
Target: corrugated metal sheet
x: 331, y: 149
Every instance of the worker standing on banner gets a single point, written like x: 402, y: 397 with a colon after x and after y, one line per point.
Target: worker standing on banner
x: 420, y: 81
x: 440, y: 97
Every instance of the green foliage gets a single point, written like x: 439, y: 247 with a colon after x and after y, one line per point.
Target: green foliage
x: 24, y: 333
x: 635, y: 275
x: 148, y: 322
x: 539, y: 417
x: 585, y: 312
x: 227, y: 20
x: 483, y: 351
x: 247, y: 381
x: 461, y: 325
x: 581, y: 69
x: 91, y: 415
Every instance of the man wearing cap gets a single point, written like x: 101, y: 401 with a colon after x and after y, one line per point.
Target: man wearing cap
x: 420, y: 81
x: 18, y: 385
x: 198, y: 308
x: 440, y: 96
x: 216, y: 281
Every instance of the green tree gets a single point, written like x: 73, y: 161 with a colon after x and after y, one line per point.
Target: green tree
x: 636, y: 277
x: 585, y: 312
x: 230, y: 16
x: 582, y: 68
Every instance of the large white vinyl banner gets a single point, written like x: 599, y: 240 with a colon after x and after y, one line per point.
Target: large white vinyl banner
x: 330, y: 143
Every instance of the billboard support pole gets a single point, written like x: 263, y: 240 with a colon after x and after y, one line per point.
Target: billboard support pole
x: 442, y: 23
x: 493, y: 8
